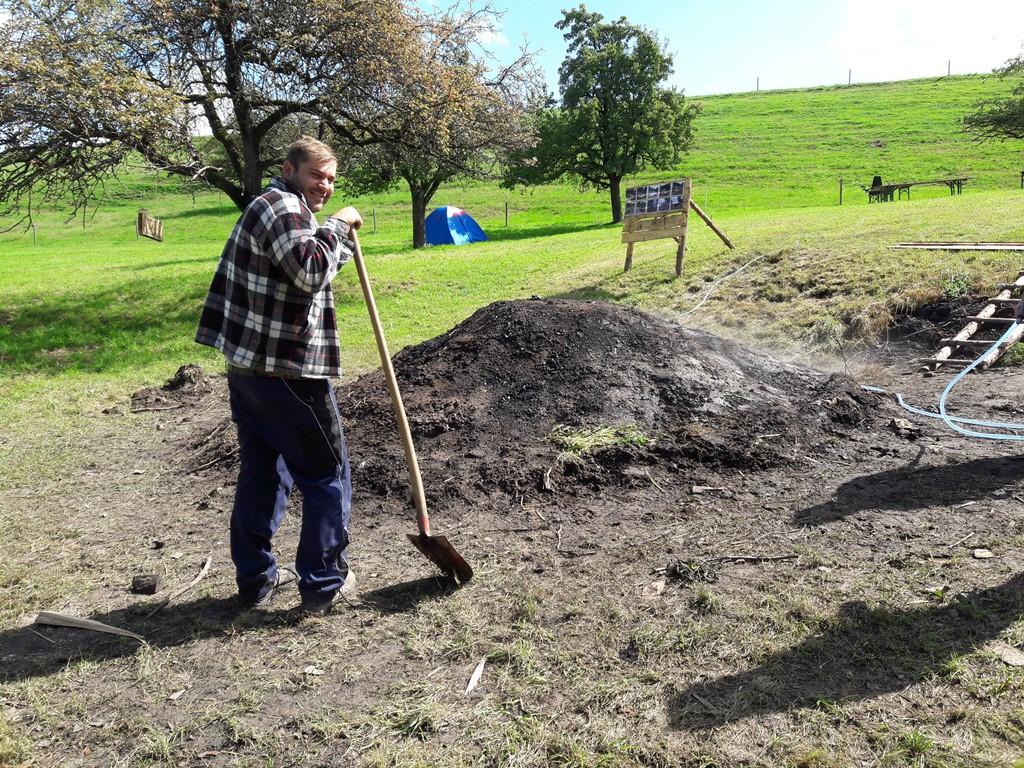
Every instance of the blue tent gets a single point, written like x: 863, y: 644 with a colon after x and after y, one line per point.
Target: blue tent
x: 449, y: 225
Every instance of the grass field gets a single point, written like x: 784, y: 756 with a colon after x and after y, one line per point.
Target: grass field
x: 90, y: 314
x: 86, y: 305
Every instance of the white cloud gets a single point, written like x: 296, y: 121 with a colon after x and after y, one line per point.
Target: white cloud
x: 901, y: 39
x: 491, y: 37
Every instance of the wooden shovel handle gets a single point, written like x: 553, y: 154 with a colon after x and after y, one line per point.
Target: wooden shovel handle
x: 422, y: 520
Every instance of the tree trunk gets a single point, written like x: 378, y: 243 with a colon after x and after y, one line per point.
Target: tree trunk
x: 615, y: 190
x: 419, y: 215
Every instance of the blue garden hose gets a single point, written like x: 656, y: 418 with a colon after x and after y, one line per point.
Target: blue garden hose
x: 954, y: 422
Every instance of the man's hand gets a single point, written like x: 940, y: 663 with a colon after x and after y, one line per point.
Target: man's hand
x: 351, y: 216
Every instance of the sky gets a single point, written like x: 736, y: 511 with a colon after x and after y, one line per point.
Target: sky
x: 733, y: 46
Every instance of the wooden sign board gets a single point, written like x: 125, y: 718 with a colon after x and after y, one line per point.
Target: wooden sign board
x: 147, y: 226
x: 655, y: 212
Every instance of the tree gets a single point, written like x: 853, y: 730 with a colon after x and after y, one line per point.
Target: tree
x: 614, y: 120
x: 87, y: 86
x: 462, y: 116
x: 1001, y: 118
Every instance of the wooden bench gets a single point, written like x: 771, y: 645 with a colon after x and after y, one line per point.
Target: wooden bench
x: 881, y: 193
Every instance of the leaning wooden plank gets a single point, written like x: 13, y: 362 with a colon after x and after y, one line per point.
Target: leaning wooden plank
x: 62, y: 620
x: 710, y: 223
x: 995, y: 354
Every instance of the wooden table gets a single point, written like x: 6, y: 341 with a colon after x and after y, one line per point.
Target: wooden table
x: 885, y: 192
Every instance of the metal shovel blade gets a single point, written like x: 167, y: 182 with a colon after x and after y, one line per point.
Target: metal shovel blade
x: 441, y: 553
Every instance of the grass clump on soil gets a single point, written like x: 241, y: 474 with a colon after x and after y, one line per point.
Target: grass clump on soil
x: 579, y: 442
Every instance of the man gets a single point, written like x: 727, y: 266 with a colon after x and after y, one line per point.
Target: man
x: 270, y: 310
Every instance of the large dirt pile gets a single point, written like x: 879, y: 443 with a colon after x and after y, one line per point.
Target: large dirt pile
x: 483, y: 397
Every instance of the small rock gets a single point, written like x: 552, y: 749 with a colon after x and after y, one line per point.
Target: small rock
x: 903, y: 428
x: 145, y: 584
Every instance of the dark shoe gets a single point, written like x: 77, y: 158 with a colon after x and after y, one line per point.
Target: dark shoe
x: 283, y: 578
x: 320, y: 605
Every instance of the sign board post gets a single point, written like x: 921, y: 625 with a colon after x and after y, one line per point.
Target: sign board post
x: 147, y: 226
x: 656, y: 212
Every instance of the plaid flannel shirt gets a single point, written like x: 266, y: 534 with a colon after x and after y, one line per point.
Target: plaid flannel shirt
x: 270, y: 307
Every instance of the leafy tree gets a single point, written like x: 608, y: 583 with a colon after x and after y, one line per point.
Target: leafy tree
x: 87, y: 86
x: 462, y: 116
x: 614, y: 120
x: 1001, y: 118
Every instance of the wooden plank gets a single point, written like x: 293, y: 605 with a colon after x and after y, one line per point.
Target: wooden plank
x: 995, y: 320
x: 961, y: 246
x: 995, y: 354
x: 970, y: 342
x: 655, y: 234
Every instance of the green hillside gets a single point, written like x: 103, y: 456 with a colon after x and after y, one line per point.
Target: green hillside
x: 780, y: 149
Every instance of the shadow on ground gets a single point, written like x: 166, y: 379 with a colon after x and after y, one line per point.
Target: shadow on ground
x: 912, y: 487
x: 39, y: 650
x: 861, y: 654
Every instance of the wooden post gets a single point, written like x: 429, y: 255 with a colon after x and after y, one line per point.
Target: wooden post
x: 840, y: 191
x: 681, y: 249
x: 710, y: 223
x: 375, y: 221
x: 629, y: 258
x: 506, y: 213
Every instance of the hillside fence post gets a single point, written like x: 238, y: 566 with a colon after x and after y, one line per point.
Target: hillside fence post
x: 375, y: 221
x: 840, y: 191
x: 36, y: 242
x: 506, y: 213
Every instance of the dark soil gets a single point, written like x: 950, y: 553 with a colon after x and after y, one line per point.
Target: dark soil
x: 483, y: 398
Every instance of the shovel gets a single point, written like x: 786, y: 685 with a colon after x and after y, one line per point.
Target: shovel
x: 437, y: 549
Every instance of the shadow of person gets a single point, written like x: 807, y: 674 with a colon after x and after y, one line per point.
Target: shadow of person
x: 41, y: 649
x: 399, y: 598
x: 913, y: 486
x: 863, y: 653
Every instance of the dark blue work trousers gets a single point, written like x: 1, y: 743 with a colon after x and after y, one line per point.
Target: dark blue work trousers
x: 289, y: 433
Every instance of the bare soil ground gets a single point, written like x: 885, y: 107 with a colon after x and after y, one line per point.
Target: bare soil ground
x: 794, y: 570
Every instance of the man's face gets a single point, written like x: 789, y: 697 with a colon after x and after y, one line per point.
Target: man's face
x: 314, y: 179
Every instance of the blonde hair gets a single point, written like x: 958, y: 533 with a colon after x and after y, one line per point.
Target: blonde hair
x: 308, y: 148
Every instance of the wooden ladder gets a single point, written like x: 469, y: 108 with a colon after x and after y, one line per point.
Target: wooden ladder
x: 982, y: 331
